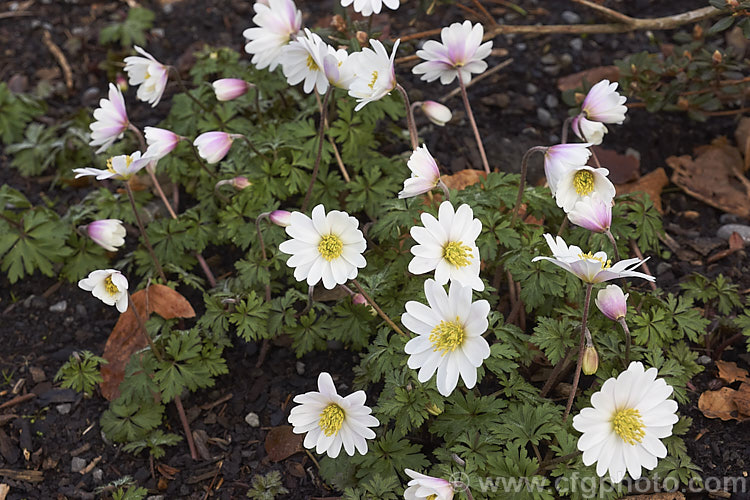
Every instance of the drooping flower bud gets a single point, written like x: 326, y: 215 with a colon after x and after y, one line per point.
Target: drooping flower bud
x: 213, y: 146
x: 107, y: 233
x: 437, y: 113
x: 590, y: 360
x: 612, y: 302
x: 160, y: 142
x: 281, y: 218
x: 227, y: 89
x: 241, y: 183
x: 122, y: 83
x: 359, y: 299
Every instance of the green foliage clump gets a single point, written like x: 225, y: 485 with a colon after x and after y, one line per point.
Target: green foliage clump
x: 81, y: 372
x: 267, y: 486
x: 131, y: 31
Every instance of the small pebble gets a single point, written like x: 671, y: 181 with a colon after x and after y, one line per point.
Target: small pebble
x: 553, y: 70
x: 521, y: 46
x: 59, y: 307
x: 531, y: 89
x: 704, y: 360
x: 63, y: 409
x: 566, y: 60
x: 544, y: 116
x: 662, y: 268
x: 300, y: 367
x: 98, y: 475
x: 77, y: 464
x: 155, y: 497
x: 576, y: 44
x: 551, y: 101
x: 81, y: 310
x: 548, y: 59
x: 726, y: 231
x: 570, y: 17
x: 252, y: 419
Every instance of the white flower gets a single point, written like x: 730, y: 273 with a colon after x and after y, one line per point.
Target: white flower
x: 448, y: 245
x: 331, y: 421
x: 590, y: 268
x: 449, y: 335
x: 422, y: 487
x: 437, y: 113
x: 303, y: 60
x: 560, y: 158
x: 121, y: 167
x: 587, y: 130
x: 111, y: 120
x: 612, y: 302
x: 368, y: 7
x: 592, y: 213
x: 462, y: 51
x: 107, y: 233
x: 227, y: 89
x: 578, y: 182
x: 338, y: 68
x: 149, y: 73
x: 630, y: 414
x: 213, y: 146
x: 160, y: 142
x: 276, y: 23
x: 374, y: 74
x: 109, y: 286
x: 424, y: 174
x: 327, y: 247
x: 604, y: 104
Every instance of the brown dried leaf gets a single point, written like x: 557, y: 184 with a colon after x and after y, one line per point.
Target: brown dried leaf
x: 126, y: 339
x: 720, y: 404
x: 651, y: 184
x: 592, y: 76
x: 463, y: 179
x: 729, y: 372
x: 742, y: 400
x: 622, y: 168
x: 742, y: 136
x: 282, y: 443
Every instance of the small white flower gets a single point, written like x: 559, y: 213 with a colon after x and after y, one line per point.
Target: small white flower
x: 590, y: 268
x: 437, y: 113
x: 368, y: 7
x: 448, y: 245
x: 374, y: 73
x: 213, y: 146
x: 149, y: 73
x: 422, y: 487
x: 461, y: 51
x: 612, y: 302
x: 604, y: 104
x: 424, y: 174
x: 332, y: 421
x: 578, y: 182
x: 587, y: 130
x: 560, y: 158
x: 111, y: 120
x: 630, y: 414
x: 160, y: 142
x: 338, y: 68
x: 107, y: 233
x: 592, y: 213
x: 227, y: 89
x: 109, y: 286
x: 121, y: 167
x: 303, y: 60
x: 449, y: 335
x: 327, y: 247
x: 277, y: 21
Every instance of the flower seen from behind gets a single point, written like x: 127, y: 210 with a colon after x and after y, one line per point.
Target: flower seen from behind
x: 368, y: 7
x: 604, y: 104
x: 422, y: 487
x: 628, y: 417
x: 160, y: 142
x: 332, y: 421
x: 110, y: 120
x: 121, y: 167
x: 424, y: 174
x: 588, y: 130
x: 560, y: 158
x: 374, y: 73
x: 576, y: 183
x: 109, y: 286
x: 149, y: 74
x: 107, y: 233
x: 303, y: 61
x: 227, y: 89
x: 612, y: 302
x: 437, y: 113
x: 276, y: 21
x: 213, y: 146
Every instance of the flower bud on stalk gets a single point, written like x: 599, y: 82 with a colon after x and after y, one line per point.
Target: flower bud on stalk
x: 612, y: 302
x: 227, y: 89
x: 107, y: 233
x: 590, y: 360
x: 282, y: 218
x: 437, y: 113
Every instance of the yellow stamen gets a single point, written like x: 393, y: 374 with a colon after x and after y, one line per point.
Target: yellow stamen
x: 110, y: 287
x: 311, y: 64
x: 628, y: 424
x: 374, y: 79
x: 600, y: 260
x: 583, y: 182
x: 331, y: 419
x: 128, y: 161
x: 331, y: 247
x: 457, y: 254
x: 432, y: 497
x: 447, y: 336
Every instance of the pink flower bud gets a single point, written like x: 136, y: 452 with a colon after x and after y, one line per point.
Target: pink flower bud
x: 227, y: 89
x: 107, y: 233
x: 612, y: 302
x: 213, y: 146
x: 241, y: 183
x: 281, y: 218
x: 437, y: 113
x: 359, y: 299
x: 122, y: 83
x: 160, y: 142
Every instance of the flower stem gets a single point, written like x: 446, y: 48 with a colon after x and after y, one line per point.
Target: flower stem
x: 614, y: 244
x: 522, y: 180
x: 184, y: 89
x: 266, y: 345
x: 321, y: 133
x: 252, y: 146
x: 465, y: 487
x: 565, y: 125
x: 473, y: 123
x: 200, y: 160
x: 143, y: 232
x: 409, y: 118
x: 577, y: 376
x: 628, y: 340
x: 378, y: 309
x: 446, y: 191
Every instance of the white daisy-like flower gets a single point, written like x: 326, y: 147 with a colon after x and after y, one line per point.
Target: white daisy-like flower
x: 111, y: 120
x: 577, y: 182
x: 461, y: 51
x: 374, y: 73
x: 590, y: 268
x: 449, y: 335
x: 424, y: 174
x: 588, y: 130
x: 121, y: 167
x: 332, y: 421
x: 448, y: 246
x: 423, y: 487
x: 604, y: 104
x: 338, y: 68
x: 277, y: 21
x: 109, y: 286
x: 303, y: 60
x: 592, y: 213
x: 368, y: 7
x: 560, y: 158
x: 612, y: 302
x: 160, y: 142
x: 149, y: 73
x: 107, y: 233
x: 327, y: 247
x: 630, y: 414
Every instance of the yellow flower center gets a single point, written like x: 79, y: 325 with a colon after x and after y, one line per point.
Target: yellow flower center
x: 431, y: 497
x: 447, y: 335
x: 331, y: 419
x: 374, y: 79
x: 311, y: 64
x: 600, y: 260
x: 628, y: 424
x: 583, y: 182
x: 110, y: 287
x: 128, y: 161
x: 331, y: 247
x: 457, y: 254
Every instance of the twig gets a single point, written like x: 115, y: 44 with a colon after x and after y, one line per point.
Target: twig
x: 644, y: 266
x: 17, y: 400
x: 321, y: 133
x: 342, y: 167
x: 60, y: 56
x: 16, y: 13
x: 557, y: 372
x: 378, y: 309
x: 146, y: 241
x: 607, y: 12
x: 476, y: 79
x: 484, y: 11
x: 186, y: 427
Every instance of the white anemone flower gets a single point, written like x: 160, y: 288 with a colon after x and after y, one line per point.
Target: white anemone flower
x: 368, y: 7
x: 423, y: 487
x: 111, y: 120
x: 109, y: 286
x: 107, y: 233
x: 604, y: 104
x: 374, y: 73
x: 588, y: 130
x: 338, y: 68
x: 448, y: 245
x: 214, y: 146
x: 560, y: 158
x: 592, y: 213
x: 149, y: 74
x: 612, y: 302
x: 590, y: 268
x: 578, y: 182
x: 327, y: 247
x: 121, y: 167
x: 449, y: 335
x: 303, y: 60
x: 424, y: 174
x: 276, y: 21
x: 630, y: 414
x: 332, y: 421
x: 160, y: 142
x: 460, y: 53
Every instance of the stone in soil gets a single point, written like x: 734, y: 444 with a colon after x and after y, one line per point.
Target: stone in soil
x: 77, y: 464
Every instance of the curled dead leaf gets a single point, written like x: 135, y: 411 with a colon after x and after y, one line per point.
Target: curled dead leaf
x: 463, y: 179
x: 282, y: 442
x: 729, y: 372
x: 651, y: 184
x: 723, y: 404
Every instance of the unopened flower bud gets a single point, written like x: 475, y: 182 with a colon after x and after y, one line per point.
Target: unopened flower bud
x: 107, y: 233
x: 437, y: 113
x: 697, y: 32
x: 227, y: 89
x: 590, y: 360
x: 716, y: 57
x: 683, y: 103
x: 122, y: 83
x: 612, y: 302
x: 281, y: 218
x: 213, y: 146
x: 241, y: 183
x: 359, y: 299
x: 433, y: 409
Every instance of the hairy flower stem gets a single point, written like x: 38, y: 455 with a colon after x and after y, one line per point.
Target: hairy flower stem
x: 200, y: 160
x: 265, y: 346
x: 378, y: 309
x: 336, y: 153
x: 473, y: 123
x: 628, y: 340
x: 577, y: 376
x: 321, y: 133
x: 614, y: 244
x: 522, y: 180
x: 464, y: 487
x: 565, y: 126
x: 410, y: 124
x: 142, y: 229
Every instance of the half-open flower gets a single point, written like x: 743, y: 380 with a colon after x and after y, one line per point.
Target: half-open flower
x: 109, y: 286
x: 422, y: 487
x: 612, y: 302
x: 588, y: 130
x: 227, y: 89
x: 437, y: 113
x: 592, y: 213
x: 107, y: 233
x: 160, y: 142
x: 149, y: 74
x: 578, y: 182
x: 121, y: 167
x: 213, y: 146
x: 604, y: 104
x: 277, y: 21
x: 560, y: 158
x: 303, y: 61
x: 424, y: 174
x: 374, y: 73
x: 111, y: 120
x: 368, y: 7
x: 338, y: 68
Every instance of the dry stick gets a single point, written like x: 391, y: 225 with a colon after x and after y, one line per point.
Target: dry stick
x: 473, y: 123
x: 637, y: 252
x: 577, y: 376
x: 146, y: 241
x: 477, y: 79
x: 485, y: 12
x: 378, y: 309
x: 321, y: 132
x: 60, y: 56
x: 522, y: 180
x: 628, y: 340
x: 339, y: 160
x: 409, y: 118
x: 555, y: 375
